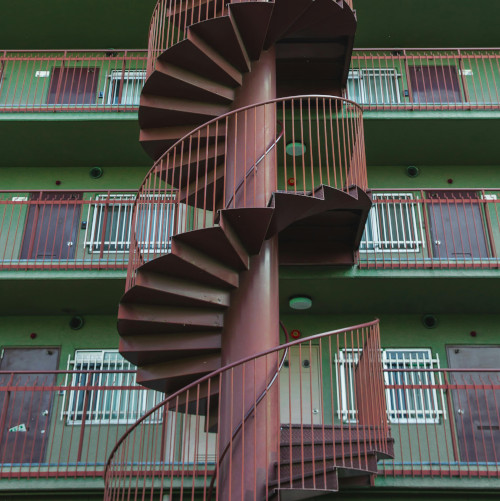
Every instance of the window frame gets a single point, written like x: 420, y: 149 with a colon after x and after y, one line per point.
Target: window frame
x: 136, y: 403
x: 113, y: 90
x: 413, y: 220
x: 364, y: 76
x: 93, y: 238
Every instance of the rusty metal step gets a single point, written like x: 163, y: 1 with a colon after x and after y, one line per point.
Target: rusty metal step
x: 142, y: 349
x: 153, y: 318
x: 252, y: 20
x: 285, y: 13
x: 161, y: 289
x: 160, y: 111
x: 222, y: 34
x: 170, y: 376
x: 320, y: 480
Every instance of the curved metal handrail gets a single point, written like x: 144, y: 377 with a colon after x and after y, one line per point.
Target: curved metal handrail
x: 226, y: 368
x: 331, y: 126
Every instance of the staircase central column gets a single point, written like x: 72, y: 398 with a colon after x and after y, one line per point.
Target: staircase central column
x: 251, y: 325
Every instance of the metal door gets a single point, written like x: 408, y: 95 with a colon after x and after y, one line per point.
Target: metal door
x: 434, y: 84
x: 51, y: 229
x: 475, y: 401
x: 25, y: 415
x: 73, y: 86
x: 456, y: 225
x: 300, y: 386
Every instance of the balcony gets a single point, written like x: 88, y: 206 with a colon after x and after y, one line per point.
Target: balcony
x: 65, y: 424
x: 74, y: 230
x: 432, y: 229
x: 67, y: 81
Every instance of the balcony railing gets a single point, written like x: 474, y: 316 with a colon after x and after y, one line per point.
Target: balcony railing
x: 442, y: 228
x: 454, y: 428
x: 425, y: 79
x: 397, y: 79
x: 171, y: 18
x: 225, y: 163
x: 40, y: 81
x: 280, y: 404
x: 73, y: 230
x: 64, y: 424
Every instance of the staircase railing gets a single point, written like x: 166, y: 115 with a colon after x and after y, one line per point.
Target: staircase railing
x: 177, y: 453
x: 171, y: 18
x: 321, y: 143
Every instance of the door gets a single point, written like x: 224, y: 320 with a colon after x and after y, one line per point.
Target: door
x: 475, y: 408
x: 456, y: 225
x: 300, y: 382
x: 73, y: 86
x: 25, y: 415
x: 434, y: 84
x: 51, y: 229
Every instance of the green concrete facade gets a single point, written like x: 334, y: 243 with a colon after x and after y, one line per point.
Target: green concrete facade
x: 56, y: 151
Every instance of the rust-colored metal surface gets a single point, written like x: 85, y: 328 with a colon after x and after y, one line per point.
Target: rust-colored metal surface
x: 312, y: 450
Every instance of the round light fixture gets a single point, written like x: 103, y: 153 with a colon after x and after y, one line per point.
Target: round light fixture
x: 300, y: 302
x: 295, y: 149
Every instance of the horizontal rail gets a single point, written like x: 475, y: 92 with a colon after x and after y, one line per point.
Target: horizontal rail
x: 445, y: 423
x: 63, y: 424
x: 289, y: 393
x: 70, y: 81
x: 66, y: 230
x: 447, y: 229
x: 425, y: 79
x: 379, y: 79
x: 225, y: 163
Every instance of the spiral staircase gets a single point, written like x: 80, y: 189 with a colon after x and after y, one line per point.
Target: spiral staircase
x: 209, y: 206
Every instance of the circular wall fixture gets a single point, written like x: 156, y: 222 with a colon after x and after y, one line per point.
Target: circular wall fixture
x: 295, y: 149
x: 291, y: 181
x: 76, y: 323
x: 96, y: 172
x: 429, y: 321
x: 300, y: 302
x: 412, y: 171
x: 295, y: 334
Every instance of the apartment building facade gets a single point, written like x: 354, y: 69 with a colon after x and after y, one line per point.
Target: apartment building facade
x: 409, y: 120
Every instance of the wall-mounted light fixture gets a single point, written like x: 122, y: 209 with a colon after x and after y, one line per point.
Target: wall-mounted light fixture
x: 295, y: 149
x: 300, y: 302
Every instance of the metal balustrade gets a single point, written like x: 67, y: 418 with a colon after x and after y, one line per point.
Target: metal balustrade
x: 64, y: 424
x: 309, y: 141
x: 432, y: 228
x: 73, y: 230
x: 379, y: 79
x: 187, y: 453
x: 463, y: 442
x: 425, y: 79
x: 39, y: 81
x: 171, y: 18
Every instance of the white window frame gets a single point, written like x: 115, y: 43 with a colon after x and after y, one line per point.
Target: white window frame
x: 136, y: 78
x: 364, y: 94
x: 420, y: 406
x: 105, y: 406
x: 385, y: 234
x: 122, y: 205
x: 345, y: 362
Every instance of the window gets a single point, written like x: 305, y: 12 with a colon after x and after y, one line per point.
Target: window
x: 110, y: 218
x: 373, y: 86
x: 434, y: 84
x: 411, y: 394
x: 394, y: 223
x: 132, y: 82
x: 98, y: 406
